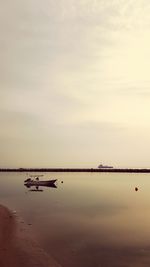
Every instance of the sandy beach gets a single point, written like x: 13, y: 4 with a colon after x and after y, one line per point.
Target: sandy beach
x: 17, y: 245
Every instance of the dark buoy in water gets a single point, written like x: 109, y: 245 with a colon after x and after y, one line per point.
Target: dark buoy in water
x: 136, y: 189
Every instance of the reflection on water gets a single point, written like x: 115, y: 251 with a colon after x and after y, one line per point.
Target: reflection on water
x: 89, y: 220
x: 33, y: 188
x: 36, y: 190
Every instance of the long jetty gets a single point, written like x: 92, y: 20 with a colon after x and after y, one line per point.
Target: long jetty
x: 115, y: 170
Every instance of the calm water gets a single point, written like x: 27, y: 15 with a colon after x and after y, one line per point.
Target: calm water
x: 89, y: 220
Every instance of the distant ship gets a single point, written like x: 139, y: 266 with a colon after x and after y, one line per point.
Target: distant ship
x: 101, y: 166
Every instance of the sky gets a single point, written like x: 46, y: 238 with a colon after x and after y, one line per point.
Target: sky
x: 75, y: 83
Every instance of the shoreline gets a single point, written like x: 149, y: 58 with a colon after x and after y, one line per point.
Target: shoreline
x: 18, y: 246
x: 110, y: 170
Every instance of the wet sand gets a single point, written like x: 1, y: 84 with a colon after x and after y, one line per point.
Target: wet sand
x: 18, y: 247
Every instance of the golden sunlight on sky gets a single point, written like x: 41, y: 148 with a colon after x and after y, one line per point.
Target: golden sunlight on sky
x: 75, y: 83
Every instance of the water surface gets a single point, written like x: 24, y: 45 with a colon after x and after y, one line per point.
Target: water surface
x: 91, y: 219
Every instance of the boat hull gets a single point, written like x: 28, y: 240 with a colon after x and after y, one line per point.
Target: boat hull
x: 40, y: 183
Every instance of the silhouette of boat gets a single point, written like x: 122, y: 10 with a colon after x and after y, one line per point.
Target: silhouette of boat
x: 40, y: 183
x: 101, y: 166
x: 36, y: 182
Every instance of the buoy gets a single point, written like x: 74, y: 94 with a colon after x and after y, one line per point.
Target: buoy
x: 136, y: 189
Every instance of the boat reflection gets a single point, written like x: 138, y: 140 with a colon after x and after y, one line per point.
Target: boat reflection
x: 33, y: 188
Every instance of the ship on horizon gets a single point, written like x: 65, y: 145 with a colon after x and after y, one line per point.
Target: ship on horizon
x: 101, y: 166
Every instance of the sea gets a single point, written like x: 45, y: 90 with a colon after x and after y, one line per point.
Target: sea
x: 89, y: 219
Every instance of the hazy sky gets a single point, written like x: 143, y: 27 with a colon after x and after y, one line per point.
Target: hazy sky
x: 74, y: 83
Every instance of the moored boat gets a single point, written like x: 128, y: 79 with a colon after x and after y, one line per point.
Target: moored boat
x: 39, y: 183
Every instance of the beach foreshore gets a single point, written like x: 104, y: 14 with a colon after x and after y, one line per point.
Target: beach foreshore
x: 18, y: 247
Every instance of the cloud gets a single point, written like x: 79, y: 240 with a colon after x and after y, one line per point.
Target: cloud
x: 69, y: 73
